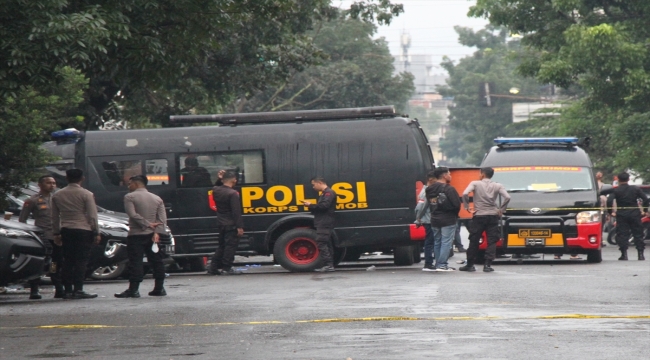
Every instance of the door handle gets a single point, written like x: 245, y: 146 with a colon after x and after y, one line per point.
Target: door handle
x: 168, y: 207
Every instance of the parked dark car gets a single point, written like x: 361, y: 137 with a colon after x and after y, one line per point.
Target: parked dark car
x: 22, y: 252
x: 108, y: 260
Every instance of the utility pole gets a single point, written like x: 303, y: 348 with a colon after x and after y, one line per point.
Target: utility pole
x: 485, y: 93
x: 406, y: 44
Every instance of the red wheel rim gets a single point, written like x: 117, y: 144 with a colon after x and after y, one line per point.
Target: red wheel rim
x: 301, y: 250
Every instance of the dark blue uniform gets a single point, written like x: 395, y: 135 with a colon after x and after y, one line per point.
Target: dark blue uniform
x: 229, y: 219
x: 323, y: 212
x: 628, y: 215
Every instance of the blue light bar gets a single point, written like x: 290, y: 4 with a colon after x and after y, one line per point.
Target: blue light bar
x: 537, y: 141
x: 71, y: 133
x: 67, y: 136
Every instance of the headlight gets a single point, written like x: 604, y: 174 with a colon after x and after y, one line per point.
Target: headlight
x: 109, y: 225
x: 588, y: 217
x: 15, y: 233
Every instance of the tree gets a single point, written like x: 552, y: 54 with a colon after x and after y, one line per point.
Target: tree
x: 474, y: 124
x: 145, y: 58
x: 599, y: 45
x: 26, y: 118
x: 357, y: 71
x: 429, y: 120
x: 165, y: 54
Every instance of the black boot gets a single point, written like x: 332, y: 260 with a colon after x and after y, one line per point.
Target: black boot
x: 131, y: 292
x: 33, y: 293
x: 158, y: 289
x: 215, y: 266
x: 623, y: 255
x: 59, y: 292
x: 80, y: 294
x: 230, y: 271
x: 213, y: 272
x: 641, y: 257
x: 326, y: 268
x: 68, y: 292
x: 469, y: 267
x: 488, y: 266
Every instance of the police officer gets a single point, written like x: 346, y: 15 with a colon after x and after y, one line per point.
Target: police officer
x: 323, y: 212
x: 486, y: 214
x: 230, y: 225
x: 147, y: 220
x: 40, y: 207
x: 423, y: 217
x: 75, y: 227
x: 628, y: 215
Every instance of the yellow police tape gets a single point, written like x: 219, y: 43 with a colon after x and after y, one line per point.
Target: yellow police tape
x: 582, y: 209
x: 339, y: 320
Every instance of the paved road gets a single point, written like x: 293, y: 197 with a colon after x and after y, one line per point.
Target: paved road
x: 522, y: 311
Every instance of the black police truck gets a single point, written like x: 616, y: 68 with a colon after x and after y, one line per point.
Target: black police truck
x: 554, y: 207
x: 371, y: 157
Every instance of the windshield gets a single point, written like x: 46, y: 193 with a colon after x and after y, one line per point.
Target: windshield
x: 544, y: 178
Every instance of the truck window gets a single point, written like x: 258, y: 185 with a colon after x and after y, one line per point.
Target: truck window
x: 201, y: 169
x: 118, y: 172
x: 157, y: 172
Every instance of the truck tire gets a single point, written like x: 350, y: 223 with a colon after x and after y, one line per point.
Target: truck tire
x: 611, y: 237
x: 595, y: 256
x: 110, y: 272
x: 417, y: 254
x: 403, y: 255
x: 296, y: 250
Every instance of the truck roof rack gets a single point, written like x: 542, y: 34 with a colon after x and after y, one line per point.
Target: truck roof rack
x: 288, y: 116
x: 536, y: 142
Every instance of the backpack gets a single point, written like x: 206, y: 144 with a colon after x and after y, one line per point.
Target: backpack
x: 440, y: 201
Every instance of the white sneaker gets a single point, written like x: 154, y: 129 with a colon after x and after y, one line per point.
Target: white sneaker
x: 428, y: 269
x: 446, y: 268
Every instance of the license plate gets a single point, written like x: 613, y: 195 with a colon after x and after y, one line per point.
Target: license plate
x: 535, y: 233
x: 535, y: 241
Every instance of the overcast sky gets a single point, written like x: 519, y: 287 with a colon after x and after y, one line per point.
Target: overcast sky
x: 431, y: 26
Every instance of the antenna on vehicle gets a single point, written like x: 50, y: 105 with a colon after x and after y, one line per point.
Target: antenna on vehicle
x: 288, y: 116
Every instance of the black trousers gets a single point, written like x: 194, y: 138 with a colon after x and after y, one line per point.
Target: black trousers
x: 56, y: 261
x: 479, y: 224
x: 137, y: 246
x: 224, y: 255
x: 626, y: 224
x: 325, y: 247
x: 76, y: 252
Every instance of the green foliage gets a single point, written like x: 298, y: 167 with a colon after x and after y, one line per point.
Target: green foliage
x: 474, y: 125
x: 356, y: 71
x: 429, y: 121
x: 600, y: 46
x: 164, y: 55
x: 25, y: 120
x: 82, y: 62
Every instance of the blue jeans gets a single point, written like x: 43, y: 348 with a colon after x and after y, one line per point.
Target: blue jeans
x: 428, y: 245
x: 443, y: 238
x: 457, y: 240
